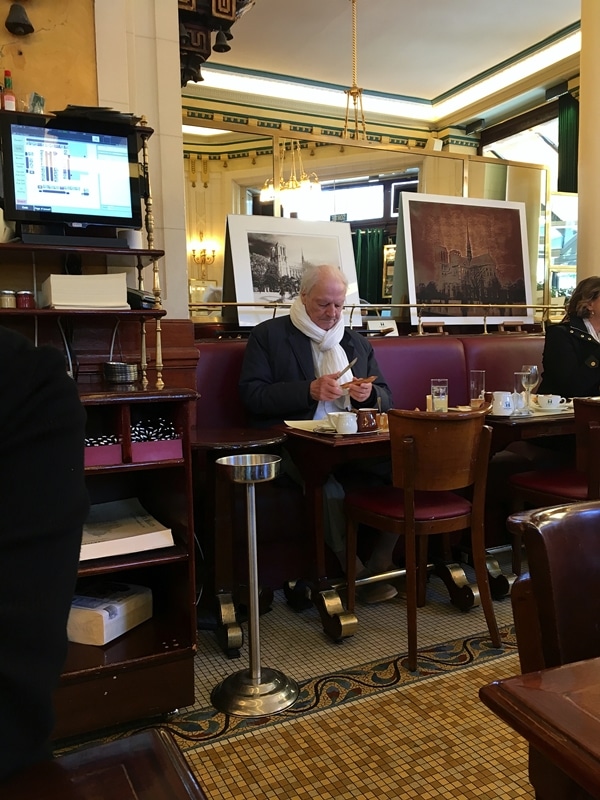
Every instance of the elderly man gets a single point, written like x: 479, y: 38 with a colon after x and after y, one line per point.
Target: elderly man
x: 289, y: 372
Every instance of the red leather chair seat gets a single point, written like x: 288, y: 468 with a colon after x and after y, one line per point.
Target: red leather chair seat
x: 561, y: 482
x: 389, y: 501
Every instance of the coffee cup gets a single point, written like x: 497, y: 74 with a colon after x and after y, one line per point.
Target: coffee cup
x: 343, y: 421
x: 367, y: 419
x: 550, y: 400
x: 502, y: 404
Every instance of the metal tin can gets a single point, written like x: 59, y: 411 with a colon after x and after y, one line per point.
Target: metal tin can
x: 25, y: 299
x: 8, y: 299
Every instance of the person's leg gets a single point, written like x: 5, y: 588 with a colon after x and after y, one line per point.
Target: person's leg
x: 374, y: 472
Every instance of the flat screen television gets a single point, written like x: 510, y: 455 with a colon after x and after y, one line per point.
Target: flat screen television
x: 58, y: 174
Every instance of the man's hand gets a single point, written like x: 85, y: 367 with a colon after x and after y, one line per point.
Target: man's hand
x: 325, y: 388
x: 360, y: 392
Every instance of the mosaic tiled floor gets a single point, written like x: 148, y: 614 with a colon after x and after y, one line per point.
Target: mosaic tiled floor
x: 363, y: 726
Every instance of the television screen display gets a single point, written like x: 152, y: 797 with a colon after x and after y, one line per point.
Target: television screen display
x: 70, y: 177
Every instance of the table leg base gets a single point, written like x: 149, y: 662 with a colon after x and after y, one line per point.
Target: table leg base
x: 337, y: 622
x: 230, y: 635
x: 298, y: 594
x: 500, y: 583
x: 265, y: 600
x: 463, y: 595
x: 244, y: 696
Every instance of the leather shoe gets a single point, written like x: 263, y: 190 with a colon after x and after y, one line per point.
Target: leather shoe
x: 377, y: 592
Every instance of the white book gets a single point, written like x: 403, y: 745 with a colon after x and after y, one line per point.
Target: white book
x: 107, y: 609
x: 119, y: 527
x: 105, y: 290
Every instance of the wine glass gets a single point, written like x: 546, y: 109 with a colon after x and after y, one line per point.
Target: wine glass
x: 530, y: 380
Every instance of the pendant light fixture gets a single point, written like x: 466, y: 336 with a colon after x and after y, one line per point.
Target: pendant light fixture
x: 354, y: 93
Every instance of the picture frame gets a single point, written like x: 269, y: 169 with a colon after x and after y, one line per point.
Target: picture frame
x: 466, y: 250
x: 267, y: 255
x: 389, y: 260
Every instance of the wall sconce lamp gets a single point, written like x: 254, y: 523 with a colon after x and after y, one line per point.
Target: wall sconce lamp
x: 17, y: 21
x: 202, y: 257
x: 203, y: 253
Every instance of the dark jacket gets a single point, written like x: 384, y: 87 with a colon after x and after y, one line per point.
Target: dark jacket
x: 278, y: 369
x: 571, y: 361
x: 43, y: 504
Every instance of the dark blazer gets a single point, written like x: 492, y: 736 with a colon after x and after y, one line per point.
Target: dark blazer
x: 278, y: 369
x: 571, y: 361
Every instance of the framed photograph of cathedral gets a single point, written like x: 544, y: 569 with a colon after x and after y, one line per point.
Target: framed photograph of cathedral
x: 466, y: 260
x: 265, y: 257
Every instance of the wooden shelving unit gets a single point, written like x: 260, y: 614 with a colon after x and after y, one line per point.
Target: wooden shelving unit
x: 150, y: 669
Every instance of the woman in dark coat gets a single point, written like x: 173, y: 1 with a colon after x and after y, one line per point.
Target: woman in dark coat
x: 571, y: 356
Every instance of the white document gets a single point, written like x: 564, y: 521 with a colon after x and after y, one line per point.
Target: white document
x: 305, y: 424
x: 119, y: 527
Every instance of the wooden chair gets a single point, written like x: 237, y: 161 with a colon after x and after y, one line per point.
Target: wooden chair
x: 556, y: 607
x: 433, y: 455
x: 549, y: 487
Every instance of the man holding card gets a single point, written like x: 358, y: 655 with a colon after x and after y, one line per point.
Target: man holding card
x: 297, y: 367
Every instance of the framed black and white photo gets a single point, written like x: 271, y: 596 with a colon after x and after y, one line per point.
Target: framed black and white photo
x: 466, y: 259
x: 268, y: 255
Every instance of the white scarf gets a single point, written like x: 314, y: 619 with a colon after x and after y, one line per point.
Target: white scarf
x: 328, y: 354
x: 591, y: 330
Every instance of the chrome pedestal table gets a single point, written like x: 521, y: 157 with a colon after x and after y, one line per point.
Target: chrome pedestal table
x: 256, y: 691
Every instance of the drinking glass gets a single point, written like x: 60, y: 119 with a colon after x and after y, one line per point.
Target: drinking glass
x: 530, y: 380
x: 521, y: 406
x: 477, y: 388
x: 439, y: 394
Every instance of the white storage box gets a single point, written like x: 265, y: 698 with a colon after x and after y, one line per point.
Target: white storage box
x: 85, y: 291
x: 106, y: 610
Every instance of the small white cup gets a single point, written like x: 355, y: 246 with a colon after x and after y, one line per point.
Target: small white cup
x: 343, y: 421
x: 550, y: 400
x: 503, y: 404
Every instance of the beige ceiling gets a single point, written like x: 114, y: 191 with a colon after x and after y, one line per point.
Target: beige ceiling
x: 420, y: 49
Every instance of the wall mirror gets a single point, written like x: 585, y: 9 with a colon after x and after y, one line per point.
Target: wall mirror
x: 228, y: 169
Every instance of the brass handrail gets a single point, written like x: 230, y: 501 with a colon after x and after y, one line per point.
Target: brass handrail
x: 421, y: 307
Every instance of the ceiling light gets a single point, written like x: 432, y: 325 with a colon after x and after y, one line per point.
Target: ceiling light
x: 299, y: 188
x: 220, y: 77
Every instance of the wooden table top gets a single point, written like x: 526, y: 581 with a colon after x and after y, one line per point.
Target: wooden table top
x: 558, y: 711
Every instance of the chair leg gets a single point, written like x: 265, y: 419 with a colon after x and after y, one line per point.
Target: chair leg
x: 517, y: 540
x: 483, y: 582
x: 351, y: 538
x: 410, y: 560
x: 422, y: 542
x: 517, y: 544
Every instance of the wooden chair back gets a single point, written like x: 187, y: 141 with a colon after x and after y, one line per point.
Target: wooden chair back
x: 563, y: 551
x: 587, y: 422
x: 445, y: 451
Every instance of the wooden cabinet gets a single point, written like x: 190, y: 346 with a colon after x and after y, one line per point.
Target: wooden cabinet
x: 149, y: 670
